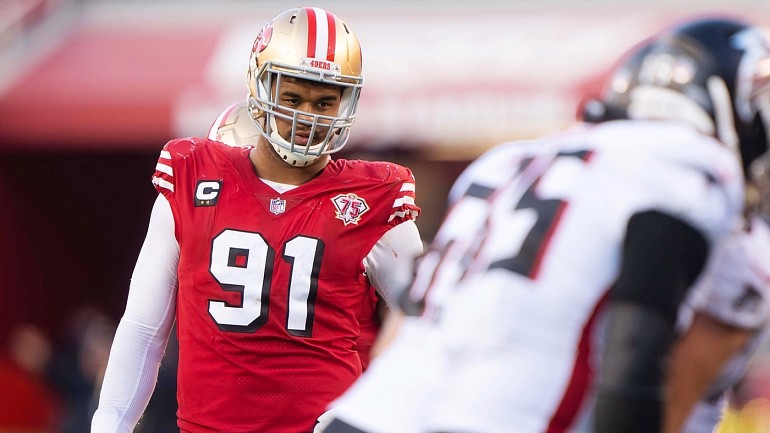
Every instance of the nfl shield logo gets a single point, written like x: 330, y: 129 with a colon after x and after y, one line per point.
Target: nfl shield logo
x: 277, y: 206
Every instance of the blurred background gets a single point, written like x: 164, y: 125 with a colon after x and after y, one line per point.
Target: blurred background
x: 91, y: 90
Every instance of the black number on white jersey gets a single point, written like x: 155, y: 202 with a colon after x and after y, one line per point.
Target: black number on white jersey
x: 527, y: 260
x: 530, y: 221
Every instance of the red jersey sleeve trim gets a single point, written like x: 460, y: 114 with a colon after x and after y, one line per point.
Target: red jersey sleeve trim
x: 404, y: 207
x: 163, y: 179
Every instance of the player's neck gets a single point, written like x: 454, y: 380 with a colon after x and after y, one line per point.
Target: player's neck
x: 268, y: 165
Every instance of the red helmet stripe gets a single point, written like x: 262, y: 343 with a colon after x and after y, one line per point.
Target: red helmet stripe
x: 332, y: 36
x: 321, y: 34
x: 311, y: 32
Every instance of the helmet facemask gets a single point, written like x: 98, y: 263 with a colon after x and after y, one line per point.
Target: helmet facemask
x: 328, y: 133
x: 674, y: 82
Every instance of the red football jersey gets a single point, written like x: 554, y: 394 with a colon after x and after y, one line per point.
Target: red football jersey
x: 270, y: 285
x: 369, y: 323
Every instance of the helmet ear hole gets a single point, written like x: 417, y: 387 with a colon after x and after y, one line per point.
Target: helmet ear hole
x: 592, y: 110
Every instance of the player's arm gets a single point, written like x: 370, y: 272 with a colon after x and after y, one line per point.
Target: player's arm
x: 697, y: 359
x: 390, y: 263
x: 662, y: 256
x: 731, y: 306
x: 141, y: 336
x: 390, y: 268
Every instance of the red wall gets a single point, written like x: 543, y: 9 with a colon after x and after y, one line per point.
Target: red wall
x: 71, y: 225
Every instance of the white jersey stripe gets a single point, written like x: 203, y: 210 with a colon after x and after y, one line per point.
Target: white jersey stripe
x: 403, y: 200
x: 402, y: 214
x: 165, y: 154
x: 163, y: 183
x: 163, y: 168
x: 407, y: 186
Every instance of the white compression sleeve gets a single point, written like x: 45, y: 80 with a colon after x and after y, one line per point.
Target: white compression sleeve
x: 141, y: 337
x: 390, y: 264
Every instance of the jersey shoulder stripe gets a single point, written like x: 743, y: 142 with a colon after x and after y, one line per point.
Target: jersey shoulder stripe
x: 163, y: 178
x: 404, y: 206
x: 396, y: 180
x: 178, y: 154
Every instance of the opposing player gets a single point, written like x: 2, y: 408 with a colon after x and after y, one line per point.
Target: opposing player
x: 264, y: 254
x: 725, y: 322
x: 563, y: 262
x: 726, y: 316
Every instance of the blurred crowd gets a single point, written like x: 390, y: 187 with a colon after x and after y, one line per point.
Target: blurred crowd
x: 51, y: 383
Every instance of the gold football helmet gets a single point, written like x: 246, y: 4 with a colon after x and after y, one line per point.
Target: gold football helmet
x: 309, y: 44
x: 235, y: 127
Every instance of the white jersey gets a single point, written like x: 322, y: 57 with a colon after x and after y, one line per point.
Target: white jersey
x: 735, y: 289
x: 736, y: 285
x: 516, y: 277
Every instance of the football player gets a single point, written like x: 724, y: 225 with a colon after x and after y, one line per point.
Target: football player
x: 264, y: 254
x: 726, y: 317
x: 549, y: 298
x: 235, y: 127
x: 725, y: 322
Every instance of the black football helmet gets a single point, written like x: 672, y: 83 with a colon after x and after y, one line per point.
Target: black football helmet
x: 713, y: 73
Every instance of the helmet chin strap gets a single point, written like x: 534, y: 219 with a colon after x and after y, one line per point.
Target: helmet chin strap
x: 281, y: 147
